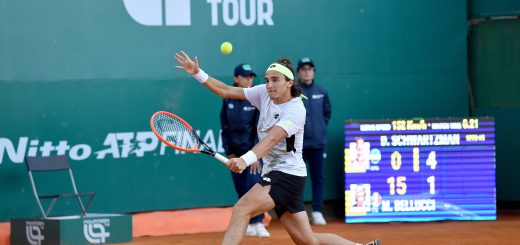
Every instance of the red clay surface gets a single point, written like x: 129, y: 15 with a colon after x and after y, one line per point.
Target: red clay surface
x: 506, y: 230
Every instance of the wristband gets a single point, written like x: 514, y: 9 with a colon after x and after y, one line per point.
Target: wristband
x: 249, y: 158
x: 201, y: 76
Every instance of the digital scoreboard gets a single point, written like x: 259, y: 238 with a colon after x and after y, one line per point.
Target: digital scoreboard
x: 420, y: 170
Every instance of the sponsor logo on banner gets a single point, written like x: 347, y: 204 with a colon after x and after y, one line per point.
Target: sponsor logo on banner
x: 95, y: 230
x: 33, y: 232
x: 115, y: 145
x: 179, y: 12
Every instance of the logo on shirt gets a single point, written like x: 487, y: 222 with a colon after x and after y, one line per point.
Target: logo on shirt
x: 317, y: 96
x: 267, y: 179
x: 249, y: 108
x: 276, y: 116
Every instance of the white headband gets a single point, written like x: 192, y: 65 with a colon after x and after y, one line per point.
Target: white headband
x: 282, y: 69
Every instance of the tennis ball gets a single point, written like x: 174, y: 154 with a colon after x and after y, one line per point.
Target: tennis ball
x: 226, y: 48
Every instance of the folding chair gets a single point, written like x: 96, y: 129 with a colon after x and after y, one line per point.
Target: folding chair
x: 53, y: 164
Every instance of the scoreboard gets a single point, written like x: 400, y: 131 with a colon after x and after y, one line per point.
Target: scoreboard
x: 420, y: 170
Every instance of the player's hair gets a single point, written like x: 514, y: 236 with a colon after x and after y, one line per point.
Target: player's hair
x: 295, y: 89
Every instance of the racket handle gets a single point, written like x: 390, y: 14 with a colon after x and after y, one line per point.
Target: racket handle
x: 221, y: 158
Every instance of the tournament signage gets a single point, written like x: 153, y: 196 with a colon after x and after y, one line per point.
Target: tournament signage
x: 420, y: 170
x: 94, y: 229
x: 115, y: 145
x: 178, y: 12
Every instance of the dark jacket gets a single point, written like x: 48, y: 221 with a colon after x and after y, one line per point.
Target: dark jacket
x: 238, y: 119
x: 319, y: 110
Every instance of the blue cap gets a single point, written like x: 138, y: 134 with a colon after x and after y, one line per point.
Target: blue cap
x: 244, y: 70
x: 304, y: 61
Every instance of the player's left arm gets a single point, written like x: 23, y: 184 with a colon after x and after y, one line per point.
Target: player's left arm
x: 219, y: 88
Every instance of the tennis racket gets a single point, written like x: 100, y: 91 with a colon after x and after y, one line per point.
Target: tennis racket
x: 179, y: 135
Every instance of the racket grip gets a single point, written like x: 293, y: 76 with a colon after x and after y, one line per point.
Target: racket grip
x: 221, y: 158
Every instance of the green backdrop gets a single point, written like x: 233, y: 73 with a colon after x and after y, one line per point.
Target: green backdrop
x: 487, y: 8
x: 494, y: 73
x: 91, y: 74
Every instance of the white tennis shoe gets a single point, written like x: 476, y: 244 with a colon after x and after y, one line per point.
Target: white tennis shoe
x: 257, y: 230
x: 317, y: 218
x: 375, y: 242
x: 251, y: 230
x: 261, y: 231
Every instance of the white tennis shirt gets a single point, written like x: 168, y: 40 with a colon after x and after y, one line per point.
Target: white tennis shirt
x: 290, y: 116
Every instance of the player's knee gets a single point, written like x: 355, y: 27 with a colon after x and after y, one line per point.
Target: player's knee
x: 241, y: 209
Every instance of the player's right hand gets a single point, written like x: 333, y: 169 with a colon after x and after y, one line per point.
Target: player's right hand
x: 186, y: 64
x: 237, y: 165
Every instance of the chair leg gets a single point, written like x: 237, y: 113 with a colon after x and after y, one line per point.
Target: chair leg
x: 88, y: 203
x: 83, y: 211
x: 51, y: 206
x: 36, y: 195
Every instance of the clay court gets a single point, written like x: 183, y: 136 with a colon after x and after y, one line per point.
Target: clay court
x: 506, y: 230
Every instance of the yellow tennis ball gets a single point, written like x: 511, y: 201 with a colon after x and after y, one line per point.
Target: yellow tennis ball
x: 226, y: 48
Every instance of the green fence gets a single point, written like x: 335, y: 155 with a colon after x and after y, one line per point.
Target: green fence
x: 82, y: 78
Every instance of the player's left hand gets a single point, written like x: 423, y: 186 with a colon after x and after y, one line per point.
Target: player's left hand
x: 237, y: 165
x: 186, y: 64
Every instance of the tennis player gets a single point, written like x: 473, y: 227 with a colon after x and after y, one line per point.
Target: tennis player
x: 280, y: 131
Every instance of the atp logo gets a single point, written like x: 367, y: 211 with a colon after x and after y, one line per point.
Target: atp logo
x: 178, y: 12
x: 94, y: 230
x: 155, y: 13
x: 33, y: 232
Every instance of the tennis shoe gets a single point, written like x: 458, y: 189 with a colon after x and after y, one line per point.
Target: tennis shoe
x: 251, y: 230
x: 317, y: 218
x: 261, y: 231
x: 375, y: 242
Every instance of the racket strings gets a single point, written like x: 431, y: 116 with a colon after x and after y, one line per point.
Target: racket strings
x: 175, y: 132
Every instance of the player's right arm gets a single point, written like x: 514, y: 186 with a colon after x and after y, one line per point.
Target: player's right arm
x: 275, y: 135
x: 219, y: 88
x: 291, y: 121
